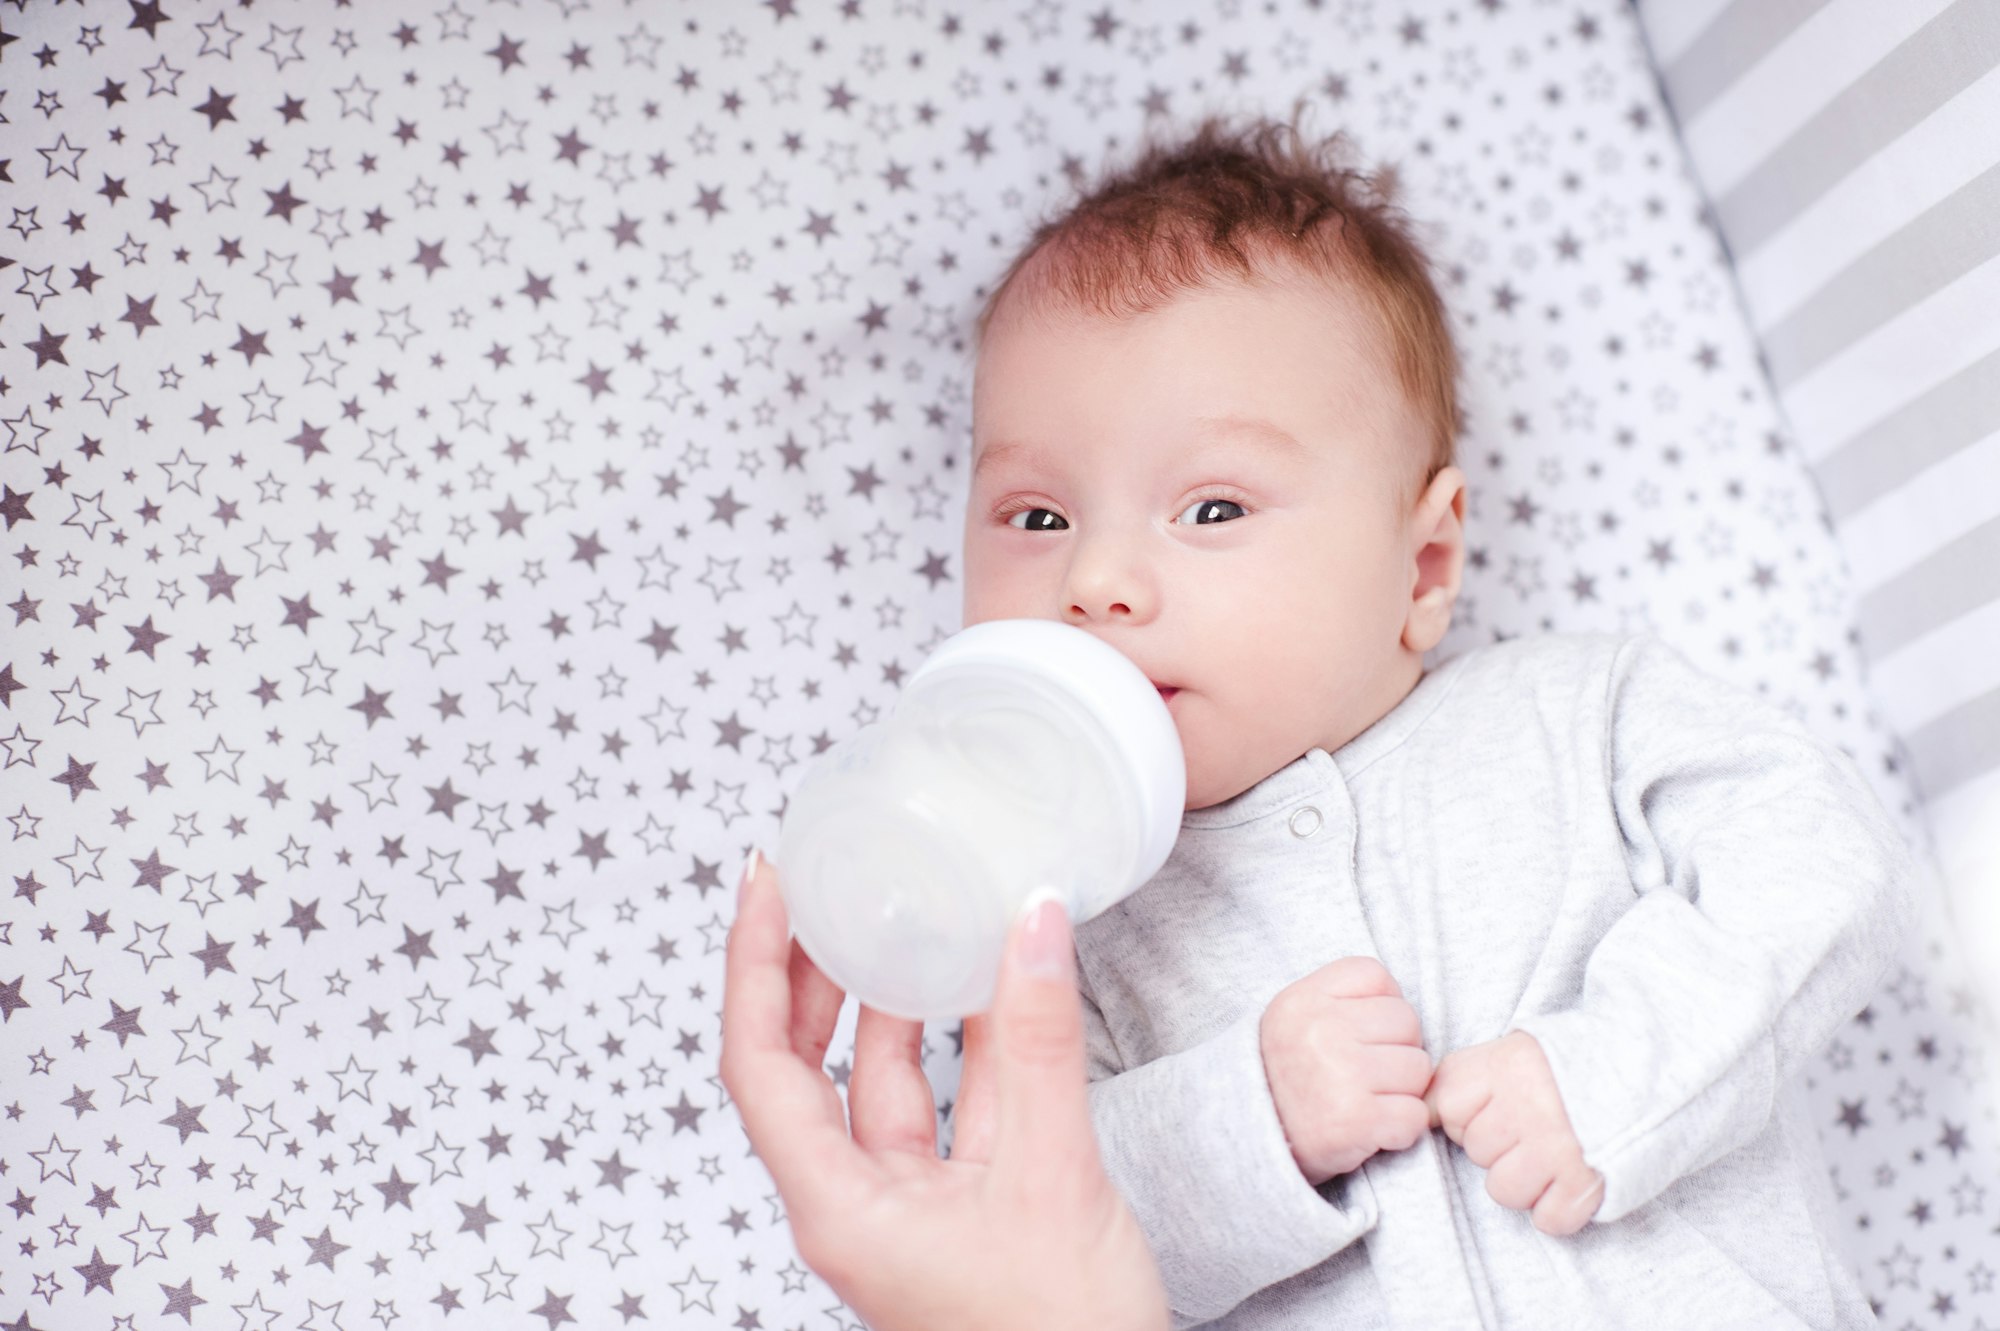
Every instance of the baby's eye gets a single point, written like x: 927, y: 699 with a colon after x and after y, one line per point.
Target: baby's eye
x: 1044, y: 520
x: 1209, y: 507
x: 1040, y: 524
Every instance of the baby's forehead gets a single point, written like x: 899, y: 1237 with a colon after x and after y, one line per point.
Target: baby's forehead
x: 1293, y: 344
x: 1113, y: 302
x: 1327, y: 340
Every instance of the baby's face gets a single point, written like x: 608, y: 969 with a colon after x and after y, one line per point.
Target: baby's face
x: 1217, y: 489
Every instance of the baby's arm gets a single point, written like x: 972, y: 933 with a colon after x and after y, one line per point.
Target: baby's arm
x: 1233, y: 1153
x: 1772, y: 892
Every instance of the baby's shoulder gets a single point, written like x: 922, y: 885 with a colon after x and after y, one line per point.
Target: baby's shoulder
x: 1629, y: 684
x: 1539, y: 664
x: 1583, y: 684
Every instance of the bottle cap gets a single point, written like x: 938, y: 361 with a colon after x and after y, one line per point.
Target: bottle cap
x: 1114, y: 690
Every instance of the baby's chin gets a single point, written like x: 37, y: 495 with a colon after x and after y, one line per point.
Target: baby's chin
x: 1210, y: 782
x: 1204, y: 791
x: 1205, y: 800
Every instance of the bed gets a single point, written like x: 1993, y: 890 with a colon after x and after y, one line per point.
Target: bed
x: 462, y: 462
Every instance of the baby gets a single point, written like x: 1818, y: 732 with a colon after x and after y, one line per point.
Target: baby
x: 1468, y: 997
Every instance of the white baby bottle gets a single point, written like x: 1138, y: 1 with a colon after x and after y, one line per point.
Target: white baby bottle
x: 1022, y: 754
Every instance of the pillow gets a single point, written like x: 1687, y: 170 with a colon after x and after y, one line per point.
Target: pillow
x: 1851, y: 155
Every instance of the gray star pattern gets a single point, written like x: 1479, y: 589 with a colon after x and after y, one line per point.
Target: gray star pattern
x: 458, y: 463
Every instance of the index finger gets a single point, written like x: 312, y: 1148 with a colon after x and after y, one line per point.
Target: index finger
x: 791, y: 1111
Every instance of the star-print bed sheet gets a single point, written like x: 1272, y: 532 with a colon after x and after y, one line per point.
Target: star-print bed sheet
x: 461, y: 462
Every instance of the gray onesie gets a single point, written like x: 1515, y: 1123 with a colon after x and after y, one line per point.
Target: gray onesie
x: 1675, y: 887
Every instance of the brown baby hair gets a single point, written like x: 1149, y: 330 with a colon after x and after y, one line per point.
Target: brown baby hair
x: 1237, y: 201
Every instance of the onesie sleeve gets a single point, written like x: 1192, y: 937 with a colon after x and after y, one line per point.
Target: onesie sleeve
x: 1770, y: 892
x: 1193, y: 1143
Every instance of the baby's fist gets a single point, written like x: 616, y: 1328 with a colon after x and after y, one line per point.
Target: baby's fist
x: 1345, y: 1059
x: 1499, y: 1101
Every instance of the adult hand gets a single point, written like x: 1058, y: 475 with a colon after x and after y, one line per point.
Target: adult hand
x: 1019, y: 1229
x: 1500, y: 1102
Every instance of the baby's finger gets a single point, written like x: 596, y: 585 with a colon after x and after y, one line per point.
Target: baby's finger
x: 1456, y: 1093
x: 1490, y: 1135
x: 889, y: 1099
x: 1570, y: 1201
x: 816, y: 1004
x: 1382, y: 1019
x: 1519, y: 1177
x: 1356, y: 977
x: 1396, y: 1069
x: 1401, y: 1122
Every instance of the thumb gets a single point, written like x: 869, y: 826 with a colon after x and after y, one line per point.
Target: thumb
x: 1042, y: 1121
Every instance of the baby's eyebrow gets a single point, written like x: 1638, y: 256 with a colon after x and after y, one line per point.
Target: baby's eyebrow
x: 1252, y: 428
x: 992, y: 452
x: 1213, y: 431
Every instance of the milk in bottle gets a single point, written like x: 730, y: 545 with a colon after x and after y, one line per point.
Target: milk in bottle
x: 1022, y: 754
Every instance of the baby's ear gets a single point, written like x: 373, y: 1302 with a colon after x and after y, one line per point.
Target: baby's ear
x: 1437, y: 559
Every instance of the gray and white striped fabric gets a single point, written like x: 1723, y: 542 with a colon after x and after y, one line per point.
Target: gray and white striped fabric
x: 1850, y: 150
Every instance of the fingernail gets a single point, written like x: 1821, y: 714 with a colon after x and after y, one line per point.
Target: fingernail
x: 750, y: 863
x: 1045, y: 936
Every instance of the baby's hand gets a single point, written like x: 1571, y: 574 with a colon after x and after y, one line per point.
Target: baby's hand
x: 1344, y: 1055
x: 1499, y: 1101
